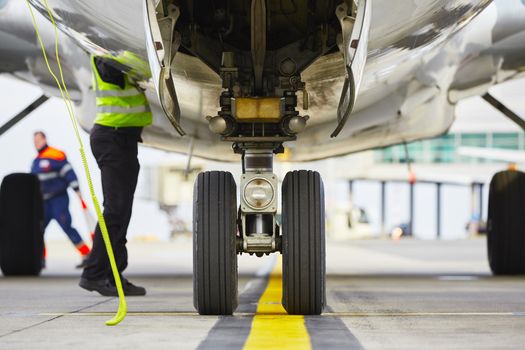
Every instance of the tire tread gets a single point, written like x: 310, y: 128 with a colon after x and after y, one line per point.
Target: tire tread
x: 303, y: 243
x: 506, y: 223
x: 214, y: 231
x: 21, y: 225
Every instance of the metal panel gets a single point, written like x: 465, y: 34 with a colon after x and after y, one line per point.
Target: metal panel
x: 162, y: 43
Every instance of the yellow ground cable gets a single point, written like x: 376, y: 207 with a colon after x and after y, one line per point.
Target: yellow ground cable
x: 122, y: 310
x: 272, y: 327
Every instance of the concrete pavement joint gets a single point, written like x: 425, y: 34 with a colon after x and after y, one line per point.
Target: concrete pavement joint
x: 422, y: 314
x: 152, y: 314
x: 55, y: 317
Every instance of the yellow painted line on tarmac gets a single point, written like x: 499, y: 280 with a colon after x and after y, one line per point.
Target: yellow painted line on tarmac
x: 272, y: 327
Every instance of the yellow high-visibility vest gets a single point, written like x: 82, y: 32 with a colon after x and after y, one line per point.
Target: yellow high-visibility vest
x: 117, y: 107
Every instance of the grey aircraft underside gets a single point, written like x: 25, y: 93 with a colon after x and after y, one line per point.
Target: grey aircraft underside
x: 422, y: 57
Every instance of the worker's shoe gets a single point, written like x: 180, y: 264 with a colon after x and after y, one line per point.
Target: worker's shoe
x: 132, y: 290
x: 103, y: 287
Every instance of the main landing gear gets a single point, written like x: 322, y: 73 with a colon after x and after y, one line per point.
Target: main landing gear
x: 506, y: 217
x: 222, y: 228
x: 21, y: 226
x: 506, y: 223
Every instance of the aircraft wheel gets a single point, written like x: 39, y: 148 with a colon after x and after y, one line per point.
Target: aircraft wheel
x: 214, y: 244
x: 506, y: 223
x: 303, y: 244
x: 21, y: 225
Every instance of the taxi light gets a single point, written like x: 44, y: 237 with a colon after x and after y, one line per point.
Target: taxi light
x: 258, y: 193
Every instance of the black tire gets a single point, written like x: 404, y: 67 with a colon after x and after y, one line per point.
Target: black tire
x: 506, y: 223
x: 214, y: 244
x: 21, y: 225
x: 303, y: 243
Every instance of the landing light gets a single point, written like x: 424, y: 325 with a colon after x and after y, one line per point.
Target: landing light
x: 258, y: 193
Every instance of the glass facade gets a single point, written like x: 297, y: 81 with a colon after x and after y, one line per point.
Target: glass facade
x: 443, y: 149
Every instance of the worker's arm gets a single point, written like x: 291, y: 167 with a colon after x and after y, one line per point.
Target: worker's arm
x: 68, y: 174
x: 114, y: 72
x: 111, y: 71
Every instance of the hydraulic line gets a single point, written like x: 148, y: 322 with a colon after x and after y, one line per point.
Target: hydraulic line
x: 122, y: 309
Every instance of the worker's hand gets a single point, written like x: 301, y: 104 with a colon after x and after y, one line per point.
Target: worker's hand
x: 140, y: 84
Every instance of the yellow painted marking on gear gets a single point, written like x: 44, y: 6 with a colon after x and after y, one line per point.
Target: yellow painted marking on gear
x: 272, y: 327
x: 258, y: 108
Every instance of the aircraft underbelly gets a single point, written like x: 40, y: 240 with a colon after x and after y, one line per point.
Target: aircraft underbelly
x: 400, y: 29
x: 113, y: 26
x: 403, y: 36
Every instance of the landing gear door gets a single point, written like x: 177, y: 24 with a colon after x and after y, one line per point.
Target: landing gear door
x: 354, y: 46
x: 162, y: 43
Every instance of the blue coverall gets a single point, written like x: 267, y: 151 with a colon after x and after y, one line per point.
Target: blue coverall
x: 56, y: 175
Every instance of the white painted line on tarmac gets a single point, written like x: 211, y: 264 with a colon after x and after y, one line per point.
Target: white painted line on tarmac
x: 141, y: 314
x: 457, y: 278
x: 422, y: 314
x: 326, y: 314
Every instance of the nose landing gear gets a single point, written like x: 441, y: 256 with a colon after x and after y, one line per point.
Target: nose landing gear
x: 220, y: 231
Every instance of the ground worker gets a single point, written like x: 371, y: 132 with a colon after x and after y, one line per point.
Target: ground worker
x: 56, y: 175
x: 122, y: 112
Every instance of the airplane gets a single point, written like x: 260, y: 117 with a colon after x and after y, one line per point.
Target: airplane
x: 234, y: 80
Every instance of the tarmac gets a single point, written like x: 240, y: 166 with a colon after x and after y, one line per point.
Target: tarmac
x: 381, y: 294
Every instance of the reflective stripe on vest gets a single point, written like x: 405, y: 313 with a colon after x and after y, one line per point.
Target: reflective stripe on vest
x: 117, y: 93
x: 117, y: 107
x: 122, y: 110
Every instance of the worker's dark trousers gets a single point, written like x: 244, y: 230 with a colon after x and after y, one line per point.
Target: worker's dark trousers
x: 116, y: 153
